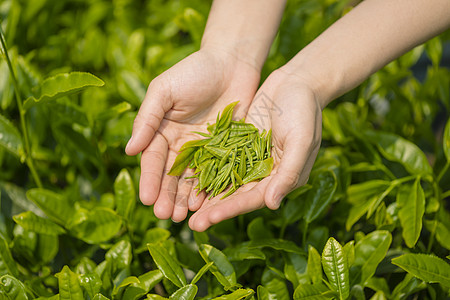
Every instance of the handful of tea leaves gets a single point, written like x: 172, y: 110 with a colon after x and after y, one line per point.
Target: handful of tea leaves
x: 232, y: 153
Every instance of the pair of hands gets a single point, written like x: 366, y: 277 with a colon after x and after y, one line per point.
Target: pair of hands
x: 187, y: 97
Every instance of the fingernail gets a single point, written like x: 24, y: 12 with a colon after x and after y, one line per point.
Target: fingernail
x: 277, y: 200
x: 129, y: 142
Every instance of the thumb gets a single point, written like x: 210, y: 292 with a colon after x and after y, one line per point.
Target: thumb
x: 154, y: 107
x: 293, y: 171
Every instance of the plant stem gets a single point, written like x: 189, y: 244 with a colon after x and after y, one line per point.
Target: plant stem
x: 29, y: 159
x: 443, y: 171
x: 446, y: 194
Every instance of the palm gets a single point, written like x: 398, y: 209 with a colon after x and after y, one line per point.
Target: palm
x: 295, y: 118
x: 187, y: 97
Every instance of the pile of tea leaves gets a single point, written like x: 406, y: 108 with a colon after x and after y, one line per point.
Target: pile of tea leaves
x: 232, y: 154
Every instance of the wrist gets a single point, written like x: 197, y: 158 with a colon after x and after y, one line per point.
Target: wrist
x: 324, y: 84
x: 238, y: 52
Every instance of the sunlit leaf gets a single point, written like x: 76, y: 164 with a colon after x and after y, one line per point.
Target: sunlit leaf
x: 10, y: 137
x: 30, y: 221
x: 428, y: 268
x: 238, y: 294
x: 62, y: 85
x: 411, y: 201
x: 320, y: 196
x: 120, y: 254
x: 312, y: 292
x: 398, y: 149
x: 446, y: 141
x: 7, y: 263
x: 95, y: 226
x: 12, y: 288
x: 167, y: 264
x: 369, y: 252
x: 125, y: 194
x: 186, y: 292
x: 334, y: 264
x: 55, y: 206
x: 69, y: 285
x: 223, y: 270
x: 314, y: 269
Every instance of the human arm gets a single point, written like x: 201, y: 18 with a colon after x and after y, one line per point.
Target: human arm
x: 357, y: 45
x: 188, y: 95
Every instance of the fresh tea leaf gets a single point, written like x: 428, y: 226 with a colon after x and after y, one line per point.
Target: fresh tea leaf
x: 10, y: 137
x: 63, y: 84
x: 335, y: 266
x: 167, y: 264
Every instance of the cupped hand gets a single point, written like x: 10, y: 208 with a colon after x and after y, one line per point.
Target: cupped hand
x: 288, y: 106
x: 181, y: 100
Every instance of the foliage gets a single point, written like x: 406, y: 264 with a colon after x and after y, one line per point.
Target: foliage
x: 373, y: 221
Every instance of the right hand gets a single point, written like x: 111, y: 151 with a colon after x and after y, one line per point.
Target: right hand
x: 181, y: 100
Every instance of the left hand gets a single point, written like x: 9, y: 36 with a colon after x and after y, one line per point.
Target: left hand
x: 287, y: 105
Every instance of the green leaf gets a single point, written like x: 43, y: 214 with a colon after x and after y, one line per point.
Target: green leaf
x: 147, y: 282
x: 442, y: 232
x: 182, y: 161
x: 237, y: 295
x: 12, y: 288
x: 124, y: 194
x: 407, y: 286
x: 396, y: 148
x: 263, y: 293
x: 275, y: 285
x: 260, y: 170
x: 411, y: 201
x: 358, y: 193
x: 10, y: 137
x: 425, y: 267
x: 277, y: 244
x: 167, y: 264
x: 320, y: 196
x: 60, y: 85
x: 312, y: 292
x: 153, y: 235
x: 314, y: 269
x: 295, y: 269
x: 91, y: 283
x: 446, y: 141
x: 100, y: 297
x: 201, y: 272
x: 243, y: 252
x: 30, y: 221
x: 120, y: 255
x: 55, y: 206
x: 223, y: 270
x: 7, y: 263
x: 334, y: 264
x: 69, y: 285
x: 369, y: 252
x: 187, y: 292
x: 95, y: 226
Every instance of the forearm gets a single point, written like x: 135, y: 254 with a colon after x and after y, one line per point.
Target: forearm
x: 245, y: 29
x: 364, y: 40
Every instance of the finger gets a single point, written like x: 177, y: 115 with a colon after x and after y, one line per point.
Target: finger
x: 152, y: 166
x: 148, y: 119
x: 163, y: 208
x: 195, y: 201
x: 296, y: 163
x: 180, y: 209
x: 217, y: 210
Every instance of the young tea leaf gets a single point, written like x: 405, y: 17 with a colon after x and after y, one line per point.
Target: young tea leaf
x: 10, y: 137
x: 411, y: 201
x: 335, y: 266
x: 30, y: 221
x: 167, y: 264
x: 222, y: 269
x: 69, y: 285
x: 62, y: 85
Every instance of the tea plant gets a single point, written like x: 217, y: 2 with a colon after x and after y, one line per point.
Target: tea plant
x: 373, y: 222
